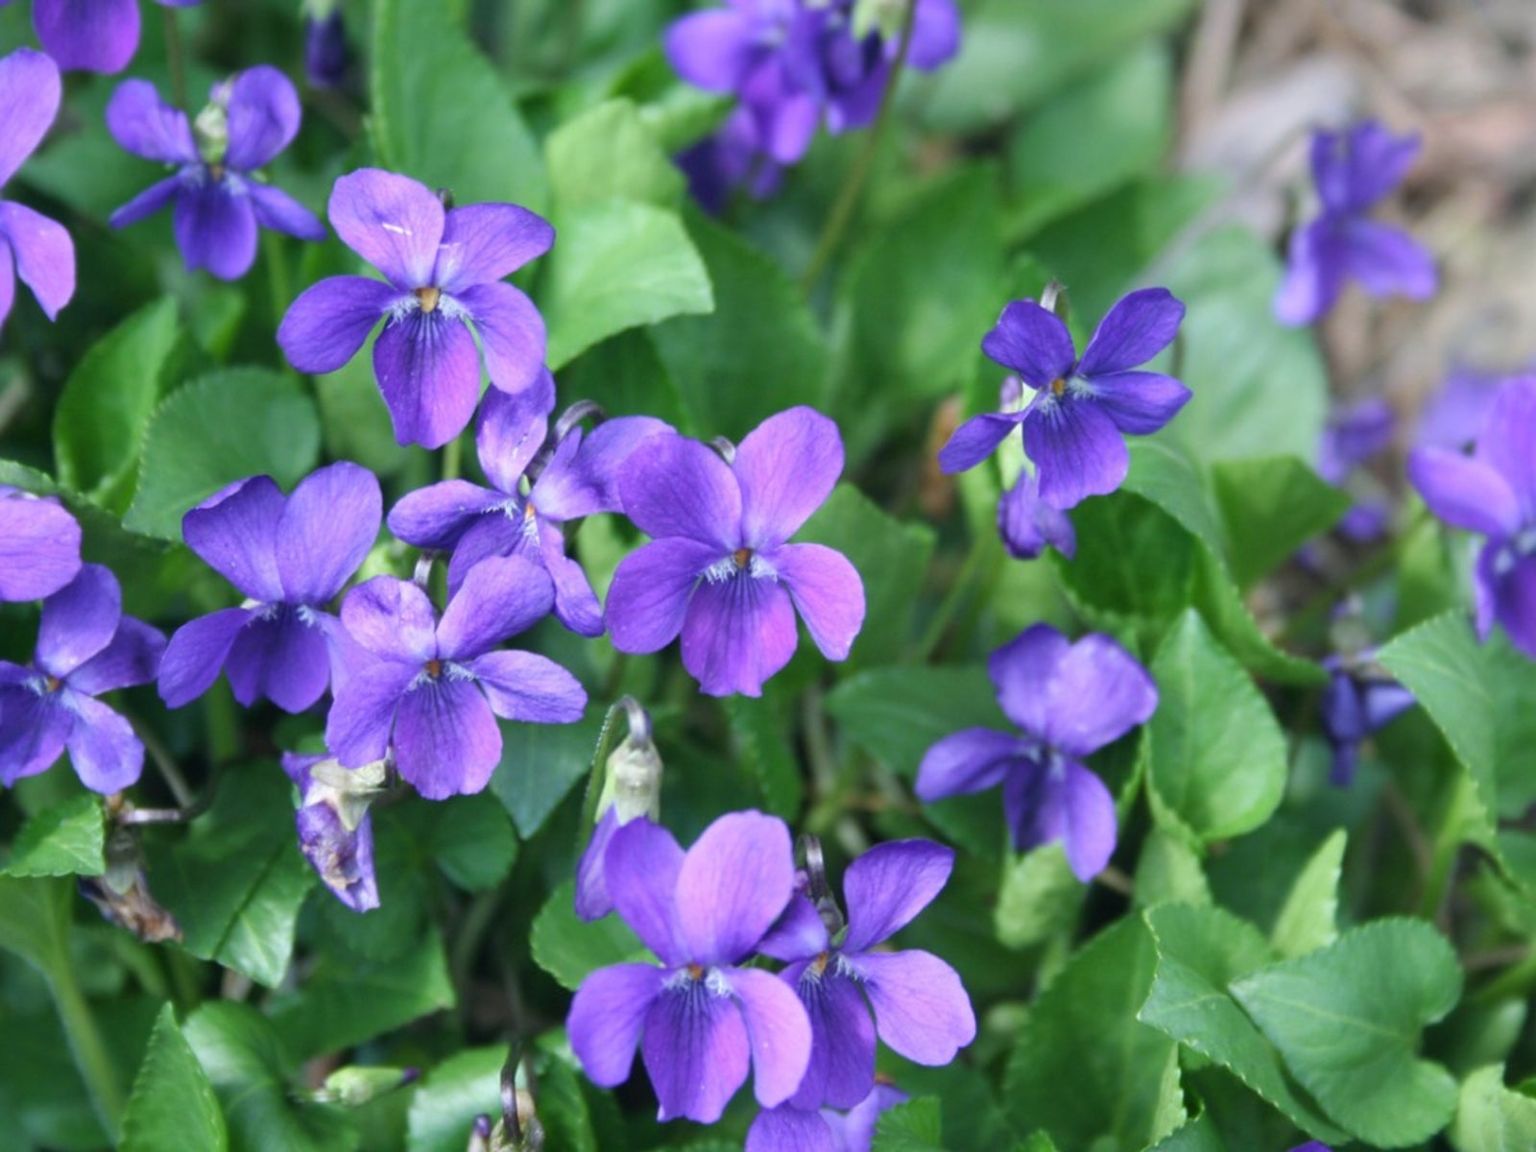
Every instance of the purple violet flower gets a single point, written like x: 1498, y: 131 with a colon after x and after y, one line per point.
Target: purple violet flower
x: 857, y: 54
x: 698, y: 1018
x: 219, y: 200
x: 33, y: 247
x: 1070, y: 699
x: 444, y: 271
x: 39, y: 545
x: 92, y: 35
x: 334, y: 826
x: 85, y: 646
x: 289, y: 556
x: 1028, y: 525
x: 524, y: 511
x: 734, y: 157
x: 719, y: 568
x: 1351, y: 437
x: 326, y: 57
x: 1353, y: 169
x: 1074, y: 426
x: 853, y: 989
x: 1455, y: 413
x: 435, y: 687
x: 1493, y: 492
x: 787, y: 1129
x: 1361, y: 699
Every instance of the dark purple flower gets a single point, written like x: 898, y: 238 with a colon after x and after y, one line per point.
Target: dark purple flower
x: 33, y: 247
x: 1353, y: 169
x: 1028, y: 525
x: 334, y: 826
x: 1493, y: 492
x: 325, y: 44
x: 1351, y: 437
x: 734, y: 157
x: 511, y: 518
x: 1456, y: 411
x: 92, y: 35
x: 698, y: 1018
x: 1311, y: 1146
x: 39, y: 545
x: 1070, y: 700
x: 719, y: 568
x: 85, y: 646
x: 857, y: 53
x: 788, y: 1129
x: 1074, y: 426
x: 918, y: 1004
x: 289, y: 556
x: 444, y: 271
x: 435, y: 687
x: 219, y: 201
x: 1361, y: 699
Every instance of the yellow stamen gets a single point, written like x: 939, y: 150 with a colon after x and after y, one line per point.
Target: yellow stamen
x: 743, y: 557
x: 434, y: 668
x: 1058, y: 386
x: 428, y: 297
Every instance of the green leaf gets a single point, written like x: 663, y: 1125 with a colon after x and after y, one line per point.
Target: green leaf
x: 758, y: 353
x: 1309, y: 918
x: 441, y: 114
x: 1168, y: 872
x: 222, y: 427
x: 472, y: 840
x: 1039, y: 897
x: 569, y: 948
x: 618, y: 264
x: 540, y: 764
x: 355, y: 421
x: 1215, y: 755
x: 443, y: 1110
x: 66, y: 839
x: 173, y: 1108
x: 897, y: 714
x: 1347, y: 1019
x: 562, y: 1108
x: 1166, y: 476
x: 1491, y: 1117
x: 1085, y: 1021
x: 34, y: 920
x: 1271, y: 506
x: 98, y: 426
x: 249, y: 1069
x: 1200, y: 951
x: 1198, y: 1135
x: 760, y: 736
x: 914, y: 1126
x: 608, y: 153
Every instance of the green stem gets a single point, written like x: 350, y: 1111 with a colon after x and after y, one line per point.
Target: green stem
x: 1515, y: 982
x: 981, y: 547
x: 453, y: 455
x: 223, y: 725
x: 277, y: 273
x: 90, y: 1050
x: 858, y: 176
x: 174, y: 56
x: 1447, y: 844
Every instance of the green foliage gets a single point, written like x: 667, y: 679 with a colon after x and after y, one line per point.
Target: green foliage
x: 1309, y: 918
x: 1491, y: 1117
x: 173, y: 1108
x: 68, y: 839
x: 570, y: 949
x: 914, y: 1126
x: 1270, y: 506
x: 608, y: 153
x: 540, y: 764
x: 444, y: 1108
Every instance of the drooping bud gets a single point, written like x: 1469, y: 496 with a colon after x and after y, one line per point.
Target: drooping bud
x: 631, y: 791
x: 882, y: 17
x: 325, y: 43
x: 121, y: 893
x: 353, y: 1087
x: 335, y: 831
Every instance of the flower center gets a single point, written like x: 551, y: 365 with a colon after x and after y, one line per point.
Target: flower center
x: 428, y: 297
x: 819, y: 965
x: 52, y: 683
x: 1058, y: 386
x: 742, y: 558
x: 696, y: 971
x: 434, y: 668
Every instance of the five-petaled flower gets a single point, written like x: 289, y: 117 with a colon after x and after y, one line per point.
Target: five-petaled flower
x: 219, y: 201
x: 85, y: 646
x: 33, y: 247
x: 39, y: 545
x: 1070, y: 699
x: 698, y: 1018
x: 434, y: 688
x: 289, y: 556
x: 1353, y: 169
x: 1493, y: 492
x: 532, y: 495
x: 334, y: 826
x: 443, y: 272
x: 92, y: 35
x: 719, y: 569
x: 1075, y: 424
x: 787, y: 1129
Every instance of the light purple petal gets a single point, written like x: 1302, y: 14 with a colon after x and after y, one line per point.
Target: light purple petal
x: 798, y: 934
x: 734, y: 882
x: 446, y: 739
x: 576, y: 604
x: 436, y: 516
x: 787, y: 1129
x: 429, y: 372
x: 215, y: 228
x: 512, y: 334
x: 263, y: 117
x: 856, y: 1131
x: 29, y: 95
x: 1314, y: 274
x: 279, y: 658
x: 1027, y: 524
x: 1022, y: 670
x: 133, y: 657
x: 329, y: 321
x: 641, y: 867
x: 737, y: 632
x: 1139, y: 403
x: 606, y: 1017
x: 78, y: 621
x: 592, y: 900
x: 841, y: 1071
x: 45, y: 255
x: 1090, y: 822
x: 967, y: 761
x: 500, y: 532
x: 1098, y: 692
x: 330, y: 522
x: 88, y: 35
x: 886, y: 887
x: 711, y: 50
x: 1032, y: 341
x: 483, y: 243
x: 778, y: 1031
x: 342, y: 858
x: 651, y: 589
x: 235, y: 533
x: 786, y: 467
x: 391, y: 221
x: 279, y: 211
x: 529, y: 687
x: 826, y: 590
x: 588, y: 482
x: 39, y: 547
x: 147, y: 202
x: 147, y: 126
x: 1464, y: 492
x: 791, y: 128
x: 1389, y: 262
x: 678, y: 487
x: 357, y: 729
x: 196, y: 654
x: 921, y: 1009
x: 935, y: 34
x: 1508, y: 442
x: 393, y: 619
x: 107, y: 756
x: 1137, y: 328
x: 1077, y: 450
x: 510, y: 430
x: 976, y: 439
x: 1356, y: 167
x: 695, y: 1050
x: 499, y: 598
x: 33, y: 728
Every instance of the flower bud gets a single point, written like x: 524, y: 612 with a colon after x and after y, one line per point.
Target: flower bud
x: 335, y: 832
x: 211, y: 128
x: 353, y: 1087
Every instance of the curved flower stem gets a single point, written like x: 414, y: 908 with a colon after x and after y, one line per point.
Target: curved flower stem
x: 90, y: 1050
x: 174, y: 57
x: 453, y: 454
x: 853, y: 189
